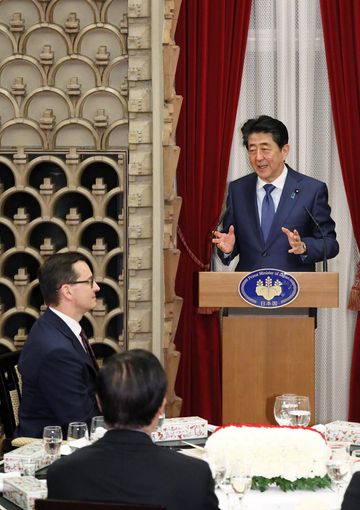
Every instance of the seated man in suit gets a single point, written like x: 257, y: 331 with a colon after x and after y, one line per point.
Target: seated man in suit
x: 275, y: 217
x: 125, y: 465
x: 57, y: 364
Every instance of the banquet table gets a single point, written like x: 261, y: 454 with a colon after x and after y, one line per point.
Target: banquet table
x: 272, y: 499
x: 275, y: 499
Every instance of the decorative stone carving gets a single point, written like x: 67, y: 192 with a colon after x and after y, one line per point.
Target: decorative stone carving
x: 20, y: 338
x: 101, y: 120
x: 139, y: 257
x: 21, y: 217
x: 47, y: 120
x: 140, y: 195
x: 21, y: 278
x: 102, y: 56
x: 47, y: 55
x: 139, y: 99
x: 140, y: 163
x: 140, y: 131
x: 47, y: 248
x: 72, y: 23
x: 99, y: 188
x: 139, y: 66
x: 73, y: 86
x: 139, y: 35
x: 18, y: 86
x: 139, y: 8
x: 47, y: 186
x: 99, y: 248
x: 139, y: 321
x: 100, y: 309
x: 140, y: 227
x: 73, y: 217
x: 17, y: 23
x: 140, y: 289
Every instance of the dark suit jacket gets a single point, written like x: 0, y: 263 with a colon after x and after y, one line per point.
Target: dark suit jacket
x: 126, y: 466
x: 299, y: 191
x: 58, y: 378
x: 352, y: 495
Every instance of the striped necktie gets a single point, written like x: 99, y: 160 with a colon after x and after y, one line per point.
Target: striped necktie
x: 86, y: 344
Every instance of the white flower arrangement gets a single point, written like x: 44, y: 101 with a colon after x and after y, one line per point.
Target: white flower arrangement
x: 290, y: 457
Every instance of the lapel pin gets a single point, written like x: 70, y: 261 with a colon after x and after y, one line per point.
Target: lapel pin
x: 294, y: 193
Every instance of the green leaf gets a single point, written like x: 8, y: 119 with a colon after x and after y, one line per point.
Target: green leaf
x: 310, y: 484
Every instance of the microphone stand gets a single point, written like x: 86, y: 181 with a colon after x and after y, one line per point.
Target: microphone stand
x: 316, y: 223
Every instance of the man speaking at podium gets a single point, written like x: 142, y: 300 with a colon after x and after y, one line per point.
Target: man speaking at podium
x: 275, y: 217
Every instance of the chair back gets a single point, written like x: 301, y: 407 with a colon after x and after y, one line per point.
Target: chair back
x: 57, y: 504
x: 10, y: 392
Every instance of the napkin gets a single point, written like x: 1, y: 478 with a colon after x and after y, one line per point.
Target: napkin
x: 12, y: 474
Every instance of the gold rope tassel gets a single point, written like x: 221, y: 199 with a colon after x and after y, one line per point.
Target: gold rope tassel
x: 354, y: 299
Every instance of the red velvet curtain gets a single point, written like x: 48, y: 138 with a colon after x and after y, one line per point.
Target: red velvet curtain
x: 212, y: 36
x: 341, y: 22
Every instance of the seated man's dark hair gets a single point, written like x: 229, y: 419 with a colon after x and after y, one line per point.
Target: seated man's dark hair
x: 55, y: 271
x: 266, y: 124
x: 131, y: 387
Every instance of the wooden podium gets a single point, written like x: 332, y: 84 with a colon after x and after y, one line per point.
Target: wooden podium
x: 266, y: 355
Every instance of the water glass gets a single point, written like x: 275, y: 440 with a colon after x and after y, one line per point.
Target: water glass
x: 97, y: 428
x: 282, y: 407
x: 300, y: 414
x: 52, y: 439
x: 28, y: 467
x: 77, y: 430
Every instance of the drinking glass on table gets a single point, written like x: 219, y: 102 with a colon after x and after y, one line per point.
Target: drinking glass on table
x: 283, y: 405
x: 52, y: 439
x: 300, y: 414
x: 97, y: 428
x: 241, y: 483
x: 339, y: 469
x: 77, y: 430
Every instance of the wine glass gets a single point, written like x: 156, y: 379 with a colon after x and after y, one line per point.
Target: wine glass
x: 300, y: 414
x: 338, y: 468
x: 241, y: 483
x: 97, y: 428
x: 220, y: 474
x: 52, y: 439
x: 77, y: 430
x: 283, y: 405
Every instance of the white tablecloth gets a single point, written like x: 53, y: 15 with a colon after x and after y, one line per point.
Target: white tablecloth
x: 275, y: 499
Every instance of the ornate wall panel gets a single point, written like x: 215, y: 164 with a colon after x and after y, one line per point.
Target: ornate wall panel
x: 77, y: 165
x: 172, y: 203
x: 63, y: 157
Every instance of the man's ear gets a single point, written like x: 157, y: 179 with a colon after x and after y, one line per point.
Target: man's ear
x: 98, y: 402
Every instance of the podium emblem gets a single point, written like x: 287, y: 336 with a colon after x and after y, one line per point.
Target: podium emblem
x: 268, y: 288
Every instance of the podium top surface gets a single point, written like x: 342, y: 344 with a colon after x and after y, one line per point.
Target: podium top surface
x: 220, y: 289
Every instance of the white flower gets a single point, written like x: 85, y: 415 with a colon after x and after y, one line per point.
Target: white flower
x: 290, y: 453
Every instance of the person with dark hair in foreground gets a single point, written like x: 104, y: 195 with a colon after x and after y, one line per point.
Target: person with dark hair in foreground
x: 57, y: 365
x: 275, y: 217
x: 125, y: 465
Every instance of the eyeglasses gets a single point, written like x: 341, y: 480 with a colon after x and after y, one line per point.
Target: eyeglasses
x: 90, y: 281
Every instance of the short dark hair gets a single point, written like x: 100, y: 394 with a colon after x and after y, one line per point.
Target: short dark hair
x: 55, y: 271
x: 131, y: 387
x: 266, y: 124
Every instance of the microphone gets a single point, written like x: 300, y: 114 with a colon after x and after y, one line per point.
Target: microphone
x: 316, y: 223
x: 212, y: 245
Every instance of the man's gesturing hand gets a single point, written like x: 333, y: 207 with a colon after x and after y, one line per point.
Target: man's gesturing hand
x: 224, y: 241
